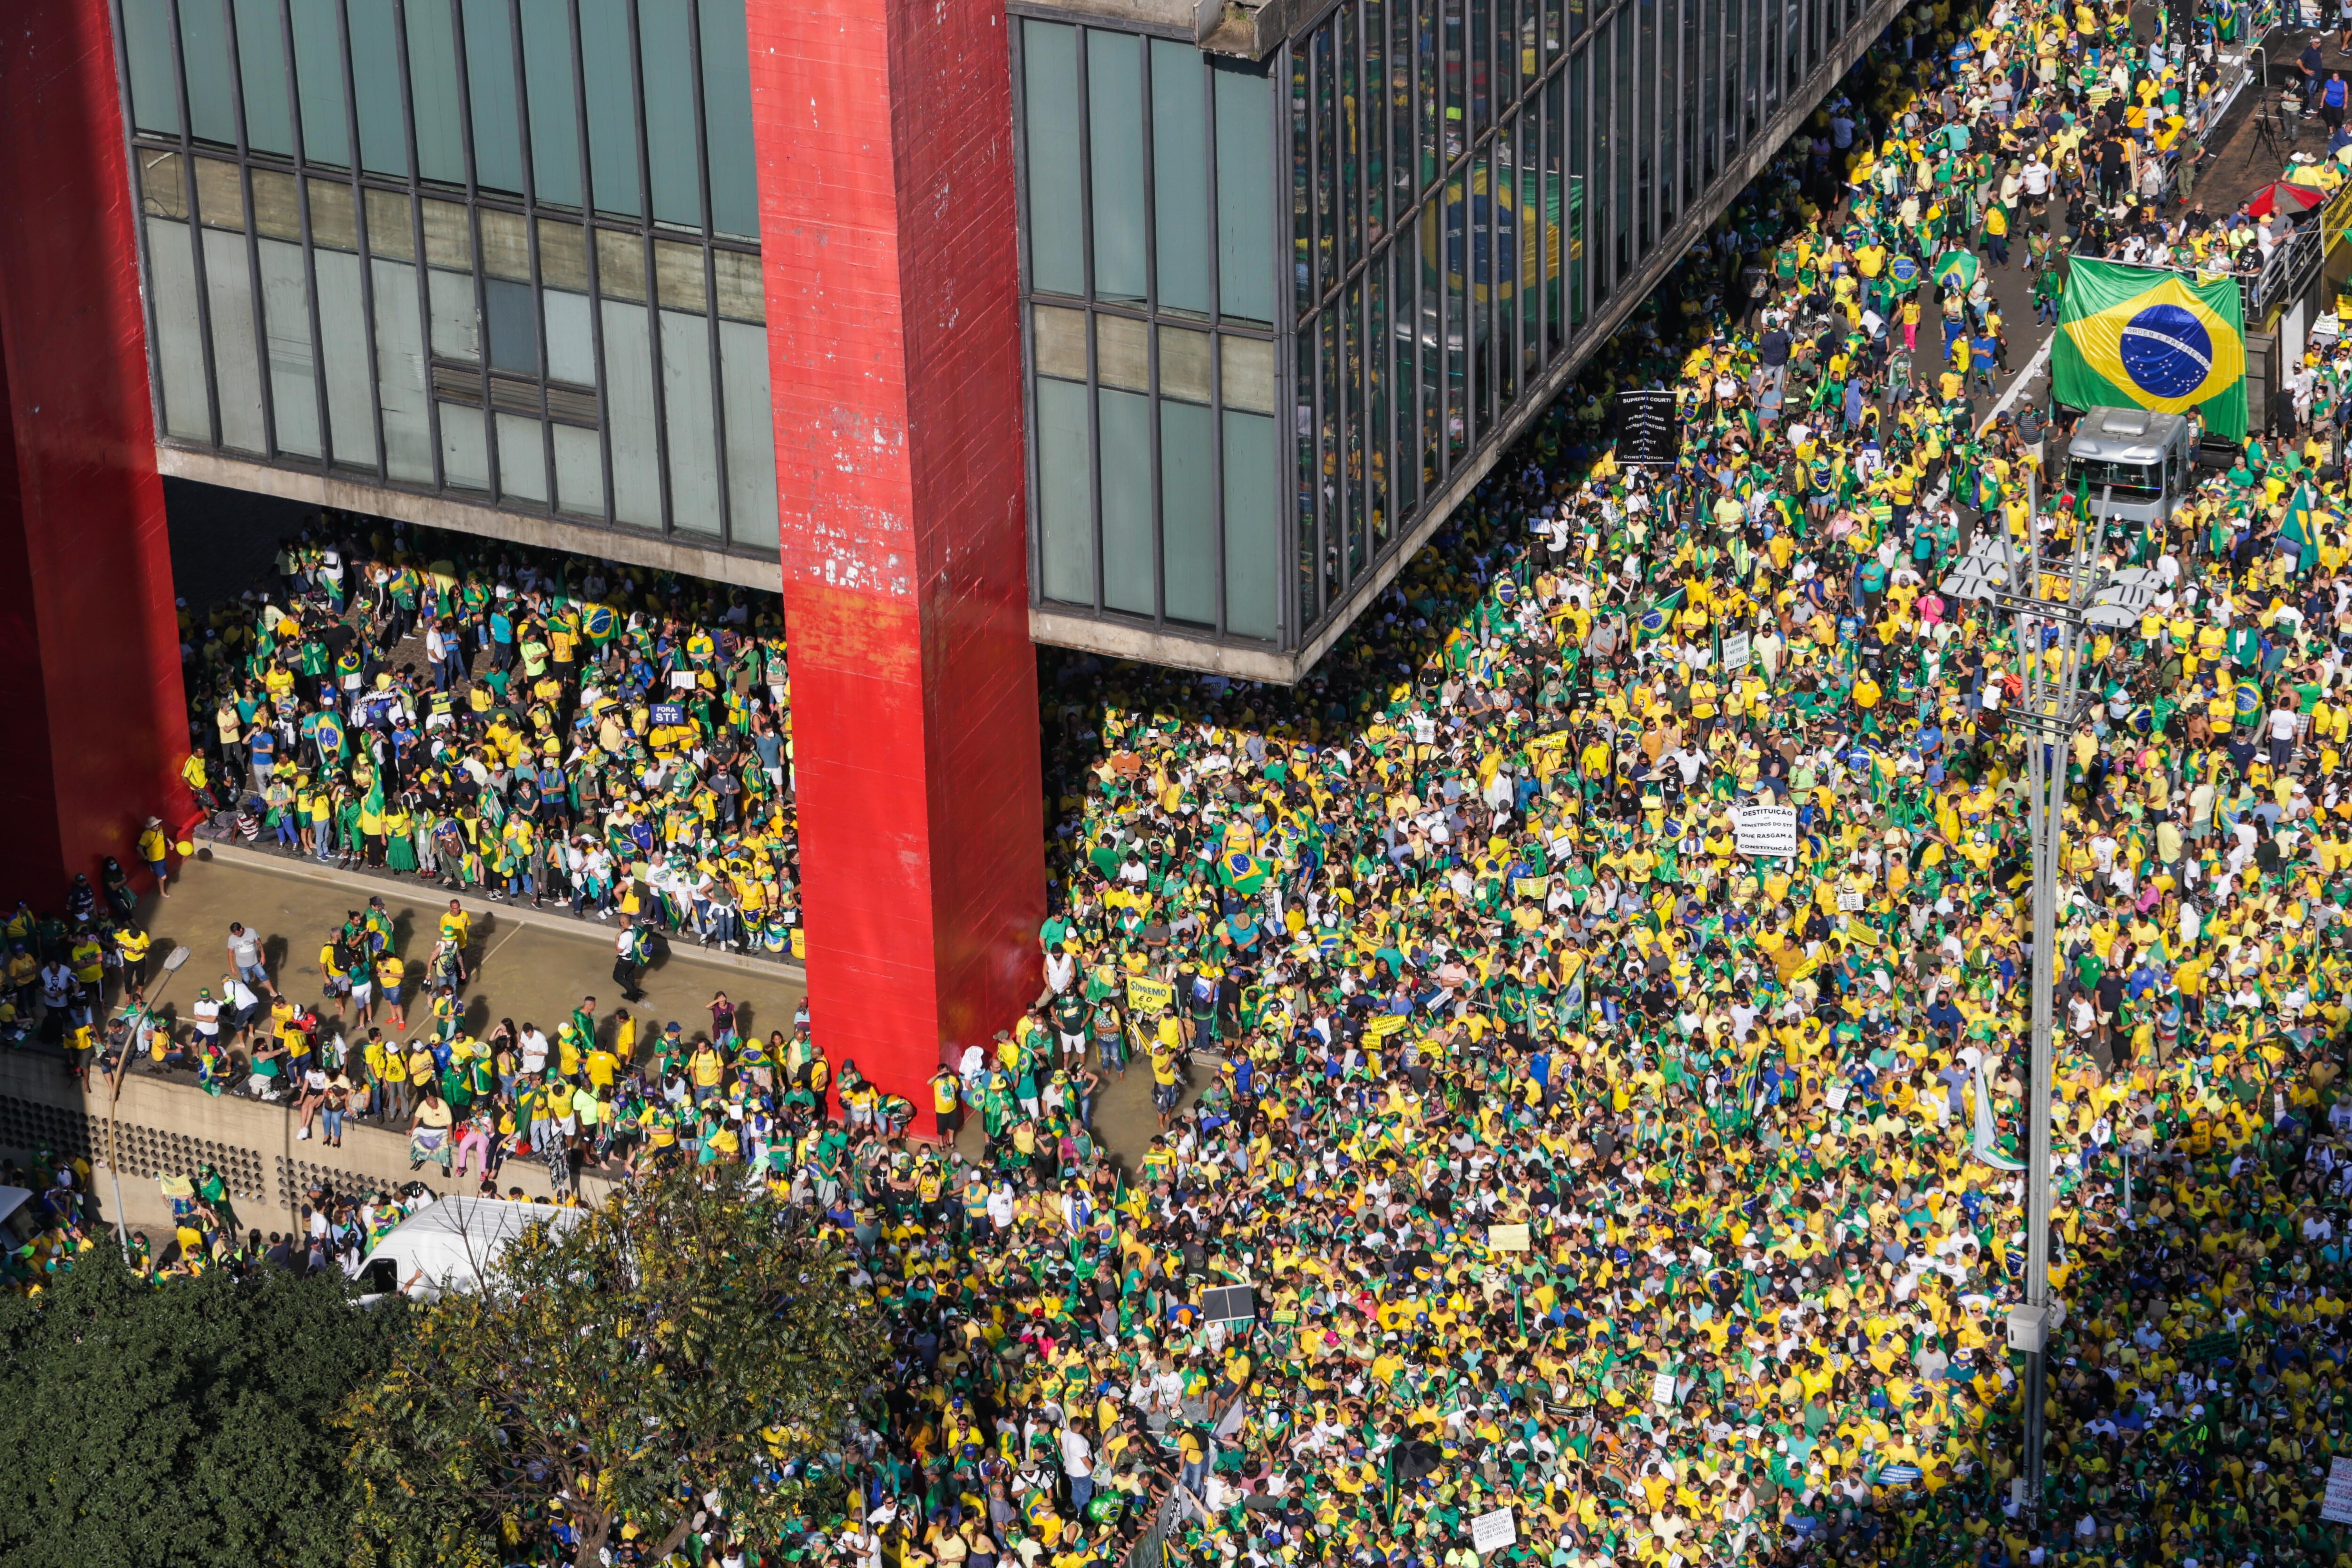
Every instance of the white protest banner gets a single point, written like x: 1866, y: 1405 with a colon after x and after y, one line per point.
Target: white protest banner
x: 1738, y: 651
x: 1765, y: 830
x: 1493, y: 1531
x: 2336, y: 1506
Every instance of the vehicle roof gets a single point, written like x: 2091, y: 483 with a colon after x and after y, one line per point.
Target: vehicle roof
x: 2125, y: 435
x: 455, y: 1238
x: 13, y: 1198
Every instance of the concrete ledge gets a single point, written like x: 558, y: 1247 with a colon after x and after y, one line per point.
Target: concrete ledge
x: 165, y: 1125
x: 634, y: 547
x: 303, y: 868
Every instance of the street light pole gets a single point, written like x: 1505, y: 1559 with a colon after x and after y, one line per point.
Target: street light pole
x: 172, y: 962
x: 2052, y: 631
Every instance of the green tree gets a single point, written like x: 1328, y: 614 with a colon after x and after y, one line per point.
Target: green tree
x: 190, y: 1423
x: 618, y: 1371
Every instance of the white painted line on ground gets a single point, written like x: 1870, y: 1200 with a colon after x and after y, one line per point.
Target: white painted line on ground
x: 2024, y: 378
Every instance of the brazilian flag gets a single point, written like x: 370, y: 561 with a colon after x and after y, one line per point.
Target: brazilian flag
x: 2300, y: 531
x: 1653, y: 622
x: 2138, y: 336
x: 598, y: 623
x: 1241, y: 871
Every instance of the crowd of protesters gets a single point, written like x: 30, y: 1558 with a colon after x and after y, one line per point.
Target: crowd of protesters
x: 528, y: 725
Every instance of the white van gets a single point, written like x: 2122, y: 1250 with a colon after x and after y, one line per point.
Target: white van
x: 451, y: 1244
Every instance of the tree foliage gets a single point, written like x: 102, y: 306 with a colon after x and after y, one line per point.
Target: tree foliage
x: 617, y: 1373
x: 186, y: 1424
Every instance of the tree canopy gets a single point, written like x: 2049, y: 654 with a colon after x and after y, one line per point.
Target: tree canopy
x: 185, y: 1425
x: 611, y: 1378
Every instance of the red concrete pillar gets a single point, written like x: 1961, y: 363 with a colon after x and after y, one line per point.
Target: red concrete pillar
x: 884, y: 140
x: 91, y: 707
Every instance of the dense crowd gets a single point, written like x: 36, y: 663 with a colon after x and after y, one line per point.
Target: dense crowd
x: 530, y: 725
x: 1575, y: 1162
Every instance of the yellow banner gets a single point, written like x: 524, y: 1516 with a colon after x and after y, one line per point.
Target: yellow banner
x: 1147, y: 996
x: 1387, y: 1024
x: 1531, y: 887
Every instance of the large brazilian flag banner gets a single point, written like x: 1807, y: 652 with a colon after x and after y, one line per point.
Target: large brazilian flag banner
x: 2143, y: 337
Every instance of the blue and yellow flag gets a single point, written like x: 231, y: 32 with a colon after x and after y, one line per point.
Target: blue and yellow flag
x: 2141, y: 337
x: 1241, y: 871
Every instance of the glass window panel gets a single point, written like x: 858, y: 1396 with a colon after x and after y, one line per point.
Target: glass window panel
x: 236, y: 363
x: 571, y: 338
x: 1374, y: 409
x: 1060, y: 342
x: 464, y: 447
x: 457, y: 318
x: 334, y: 222
x: 621, y: 265
x: 742, y: 292
x: 1114, y: 142
x: 1404, y: 466
x: 554, y: 108
x: 1049, y: 101
x: 342, y: 341
x: 1122, y: 353
x: 513, y: 313
x: 1350, y: 342
x: 1482, y: 65
x: 276, y: 212
x: 318, y: 80
x: 1247, y: 266
x: 580, y: 472
x: 293, y: 367
x: 147, y: 41
x: 506, y: 245
x: 1371, y: 111
x: 261, y: 68
x: 162, y: 183
x: 1302, y: 207
x: 523, y: 459
x: 1066, y: 534
x: 1252, y: 488
x: 629, y: 413
x: 220, y: 193
x: 612, y: 84
x: 1346, y: 127
x: 1124, y: 419
x: 433, y: 91
x: 1401, y: 179
x: 1248, y: 373
x: 491, y: 91
x: 1188, y: 513
x: 1180, y: 175
x: 400, y: 373
x: 1308, y: 533
x: 1184, y: 364
x: 375, y: 46
x: 666, y: 42
x: 563, y: 255
x: 179, y: 345
x: 203, y: 56
x: 751, y: 434
x: 727, y: 120
x: 693, y: 422
x: 678, y: 277
x: 1325, y: 154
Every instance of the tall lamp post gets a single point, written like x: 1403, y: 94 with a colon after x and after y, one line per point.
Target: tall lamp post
x: 172, y: 962
x: 2055, y: 607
